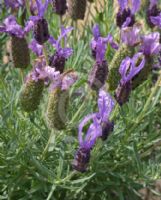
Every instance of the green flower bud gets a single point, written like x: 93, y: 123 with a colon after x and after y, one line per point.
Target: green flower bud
x: 20, y: 52
x: 57, y: 108
x: 31, y: 95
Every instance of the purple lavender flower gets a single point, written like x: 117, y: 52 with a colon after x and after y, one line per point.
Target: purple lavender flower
x: 152, y: 13
x: 64, y: 81
x: 98, y: 74
x: 96, y: 130
x: 129, y: 68
x: 36, y: 48
x: 156, y: 20
x: 14, y: 4
x: 11, y: 27
x: 41, y: 32
x: 150, y: 44
x: 97, y: 37
x: 62, y: 54
x: 130, y: 35
x: 43, y: 72
x: 126, y: 15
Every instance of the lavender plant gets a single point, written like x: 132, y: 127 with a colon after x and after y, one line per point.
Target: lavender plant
x: 71, y: 142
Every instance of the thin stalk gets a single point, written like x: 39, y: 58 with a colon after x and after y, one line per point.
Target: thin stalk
x: 48, y: 144
x: 22, y: 75
x: 60, y: 20
x: 75, y: 31
x: 27, y: 7
x: 115, y: 112
x: 51, y: 192
x: 78, y: 112
x: 45, y: 54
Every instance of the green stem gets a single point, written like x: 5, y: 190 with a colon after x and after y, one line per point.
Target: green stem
x: 48, y: 143
x: 27, y: 7
x: 75, y: 31
x: 115, y: 112
x: 51, y: 192
x: 45, y: 54
x: 78, y: 112
x: 60, y: 20
x: 22, y: 75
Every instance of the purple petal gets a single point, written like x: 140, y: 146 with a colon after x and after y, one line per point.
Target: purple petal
x: 153, y: 3
x: 52, y: 41
x: 150, y: 44
x: 111, y: 42
x: 14, y: 3
x: 124, y: 67
x: 42, y: 7
x: 127, y: 22
x: 66, y: 52
x: 128, y: 68
x: 123, y: 4
x: 135, y: 6
x: 51, y: 73
x: 36, y: 48
x: 96, y: 31
x: 64, y: 32
x: 11, y: 27
x: 68, y: 80
x: 94, y: 132
x: 101, y: 50
x: 2, y: 29
x: 81, y: 126
x: 105, y: 105
x: 29, y: 26
x: 156, y: 20
x: 130, y: 35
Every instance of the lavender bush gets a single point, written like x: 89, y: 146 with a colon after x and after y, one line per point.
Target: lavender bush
x: 80, y: 108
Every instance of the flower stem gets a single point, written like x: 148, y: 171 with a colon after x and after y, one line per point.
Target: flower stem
x: 45, y: 54
x: 28, y: 7
x: 22, y: 75
x: 48, y: 144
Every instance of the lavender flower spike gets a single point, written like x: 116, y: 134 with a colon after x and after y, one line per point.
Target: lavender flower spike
x: 126, y: 15
x: 97, y: 37
x: 152, y: 13
x: 41, y: 32
x: 43, y: 72
x: 98, y: 74
x: 96, y: 130
x: 129, y: 68
x: 62, y: 53
x: 18, y: 41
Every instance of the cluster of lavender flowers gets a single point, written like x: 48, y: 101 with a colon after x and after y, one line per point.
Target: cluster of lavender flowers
x: 50, y: 69
x: 144, y: 48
